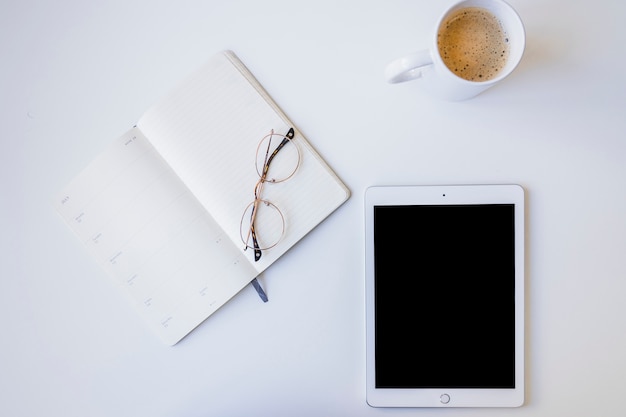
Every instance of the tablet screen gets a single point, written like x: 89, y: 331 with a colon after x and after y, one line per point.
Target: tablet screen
x: 444, y: 298
x: 450, y: 299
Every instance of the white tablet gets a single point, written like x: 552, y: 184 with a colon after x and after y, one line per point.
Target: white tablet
x: 445, y: 296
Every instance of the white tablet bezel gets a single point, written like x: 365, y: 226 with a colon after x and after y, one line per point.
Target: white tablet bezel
x: 438, y: 195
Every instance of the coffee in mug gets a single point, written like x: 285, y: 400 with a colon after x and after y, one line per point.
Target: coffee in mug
x: 473, y: 44
x: 476, y: 44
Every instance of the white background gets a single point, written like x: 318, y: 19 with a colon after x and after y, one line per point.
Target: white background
x: 75, y: 75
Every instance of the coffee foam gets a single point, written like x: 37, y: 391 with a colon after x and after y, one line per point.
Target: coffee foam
x: 473, y: 44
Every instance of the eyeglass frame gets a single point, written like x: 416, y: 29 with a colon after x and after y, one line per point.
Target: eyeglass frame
x: 258, y: 189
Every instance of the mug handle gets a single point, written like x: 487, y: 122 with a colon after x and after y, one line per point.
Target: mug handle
x: 408, y: 67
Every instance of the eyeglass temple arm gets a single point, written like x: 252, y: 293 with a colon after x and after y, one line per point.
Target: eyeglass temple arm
x: 289, y: 136
x: 252, y: 231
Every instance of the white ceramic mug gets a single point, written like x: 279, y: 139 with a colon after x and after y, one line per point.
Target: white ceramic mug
x: 428, y: 65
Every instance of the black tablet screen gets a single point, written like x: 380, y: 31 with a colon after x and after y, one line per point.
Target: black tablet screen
x: 444, y: 296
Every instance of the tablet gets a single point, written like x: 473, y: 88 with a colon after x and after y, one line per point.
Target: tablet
x: 445, y: 296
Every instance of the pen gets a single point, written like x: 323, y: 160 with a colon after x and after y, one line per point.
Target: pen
x: 257, y: 286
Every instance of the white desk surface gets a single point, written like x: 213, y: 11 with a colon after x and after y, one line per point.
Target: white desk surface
x: 75, y: 75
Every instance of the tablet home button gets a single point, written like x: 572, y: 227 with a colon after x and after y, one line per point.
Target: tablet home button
x: 445, y: 399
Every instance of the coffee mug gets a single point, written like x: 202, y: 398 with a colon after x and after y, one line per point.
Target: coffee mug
x: 477, y: 43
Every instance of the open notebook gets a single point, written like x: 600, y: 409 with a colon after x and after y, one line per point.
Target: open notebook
x: 161, y: 208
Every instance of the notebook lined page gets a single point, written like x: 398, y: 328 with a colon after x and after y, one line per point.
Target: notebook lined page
x: 208, y: 130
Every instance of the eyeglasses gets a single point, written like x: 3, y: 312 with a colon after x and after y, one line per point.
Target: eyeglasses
x: 262, y: 223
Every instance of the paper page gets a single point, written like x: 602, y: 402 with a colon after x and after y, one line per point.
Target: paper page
x: 208, y: 130
x: 149, y: 233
